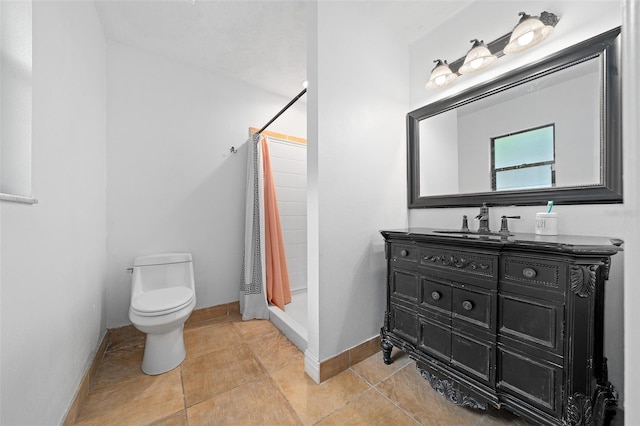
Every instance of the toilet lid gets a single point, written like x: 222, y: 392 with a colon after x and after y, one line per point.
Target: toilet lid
x: 159, y: 302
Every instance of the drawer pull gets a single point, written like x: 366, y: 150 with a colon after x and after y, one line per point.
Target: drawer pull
x: 467, y: 305
x: 529, y: 273
x: 436, y: 295
x: 404, y: 253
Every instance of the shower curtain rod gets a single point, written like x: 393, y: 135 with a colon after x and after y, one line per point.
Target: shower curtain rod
x: 233, y: 149
x: 293, y: 101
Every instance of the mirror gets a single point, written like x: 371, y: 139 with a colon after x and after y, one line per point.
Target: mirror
x: 547, y: 131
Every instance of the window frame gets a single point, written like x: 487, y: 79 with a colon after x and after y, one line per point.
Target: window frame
x: 552, y: 163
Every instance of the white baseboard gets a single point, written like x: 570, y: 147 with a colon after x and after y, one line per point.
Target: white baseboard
x: 312, y: 366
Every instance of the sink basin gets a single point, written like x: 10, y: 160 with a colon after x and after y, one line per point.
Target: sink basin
x: 480, y: 234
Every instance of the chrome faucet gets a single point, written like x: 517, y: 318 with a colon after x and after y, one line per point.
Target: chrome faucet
x: 484, y: 218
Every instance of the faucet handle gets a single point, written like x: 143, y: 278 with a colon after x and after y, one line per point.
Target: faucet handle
x: 465, y: 223
x: 504, y: 228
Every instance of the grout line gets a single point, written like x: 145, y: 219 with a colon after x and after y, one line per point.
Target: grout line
x: 392, y: 401
x: 184, y: 395
x: 277, y: 386
x: 397, y: 405
x: 354, y: 399
x: 362, y: 377
x: 385, y: 377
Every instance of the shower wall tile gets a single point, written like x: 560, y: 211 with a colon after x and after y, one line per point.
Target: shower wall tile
x: 296, y: 167
x: 299, y: 222
x: 295, y: 181
x: 278, y: 176
x: 296, y: 194
x: 300, y: 155
x: 289, y: 163
x: 293, y: 208
x: 295, y: 237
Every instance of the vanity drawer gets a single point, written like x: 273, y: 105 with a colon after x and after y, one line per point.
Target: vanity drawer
x: 533, y: 271
x: 461, y: 265
x: 534, y: 276
x: 435, y: 295
x: 473, y: 306
x: 404, y: 254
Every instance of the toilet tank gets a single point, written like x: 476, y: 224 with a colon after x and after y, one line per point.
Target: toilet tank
x: 160, y: 271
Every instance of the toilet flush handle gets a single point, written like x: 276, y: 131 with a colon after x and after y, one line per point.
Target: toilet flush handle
x: 130, y: 270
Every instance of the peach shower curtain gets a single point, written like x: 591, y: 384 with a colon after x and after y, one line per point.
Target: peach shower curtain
x: 278, y: 287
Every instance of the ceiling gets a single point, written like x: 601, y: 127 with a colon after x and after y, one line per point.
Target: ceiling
x: 262, y: 43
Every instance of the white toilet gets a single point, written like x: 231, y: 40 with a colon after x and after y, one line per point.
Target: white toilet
x: 162, y: 298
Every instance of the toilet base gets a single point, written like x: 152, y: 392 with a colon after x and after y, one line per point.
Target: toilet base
x: 163, y: 352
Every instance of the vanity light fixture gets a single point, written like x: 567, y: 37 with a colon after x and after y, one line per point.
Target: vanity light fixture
x: 478, y: 58
x: 531, y: 30
x: 441, y: 75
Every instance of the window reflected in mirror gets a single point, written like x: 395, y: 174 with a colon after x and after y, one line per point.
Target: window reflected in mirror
x: 524, y: 159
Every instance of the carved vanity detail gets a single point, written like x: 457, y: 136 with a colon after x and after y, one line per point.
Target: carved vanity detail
x: 513, y: 322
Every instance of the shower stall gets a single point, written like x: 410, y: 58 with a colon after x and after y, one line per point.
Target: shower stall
x: 289, y: 166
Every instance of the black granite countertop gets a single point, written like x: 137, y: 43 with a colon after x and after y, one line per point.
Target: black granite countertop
x: 559, y: 243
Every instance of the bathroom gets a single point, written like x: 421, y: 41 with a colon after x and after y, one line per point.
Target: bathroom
x: 130, y: 155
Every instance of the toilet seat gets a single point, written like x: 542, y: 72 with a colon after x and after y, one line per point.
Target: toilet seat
x: 161, y: 302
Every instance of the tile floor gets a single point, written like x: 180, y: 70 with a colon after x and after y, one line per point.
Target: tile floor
x: 248, y: 373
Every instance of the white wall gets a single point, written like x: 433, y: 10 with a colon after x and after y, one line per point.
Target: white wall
x: 578, y: 21
x: 54, y: 253
x: 631, y: 148
x: 289, y: 166
x: 356, y: 172
x: 173, y: 185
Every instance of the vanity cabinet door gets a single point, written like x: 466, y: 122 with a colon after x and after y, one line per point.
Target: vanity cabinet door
x: 405, y: 286
x: 527, y: 322
x: 473, y: 306
x: 535, y: 381
x: 474, y: 355
x: 435, y: 339
x: 404, y: 323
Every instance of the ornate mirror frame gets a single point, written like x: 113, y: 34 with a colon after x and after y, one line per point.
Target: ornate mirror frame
x: 606, y: 46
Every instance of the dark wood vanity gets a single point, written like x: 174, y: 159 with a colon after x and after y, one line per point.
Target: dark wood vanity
x: 514, y: 322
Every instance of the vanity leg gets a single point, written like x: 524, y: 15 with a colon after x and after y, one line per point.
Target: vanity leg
x: 386, y: 346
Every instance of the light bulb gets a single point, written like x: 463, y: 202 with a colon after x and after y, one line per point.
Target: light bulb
x: 525, y: 38
x: 440, y: 80
x: 476, y: 63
